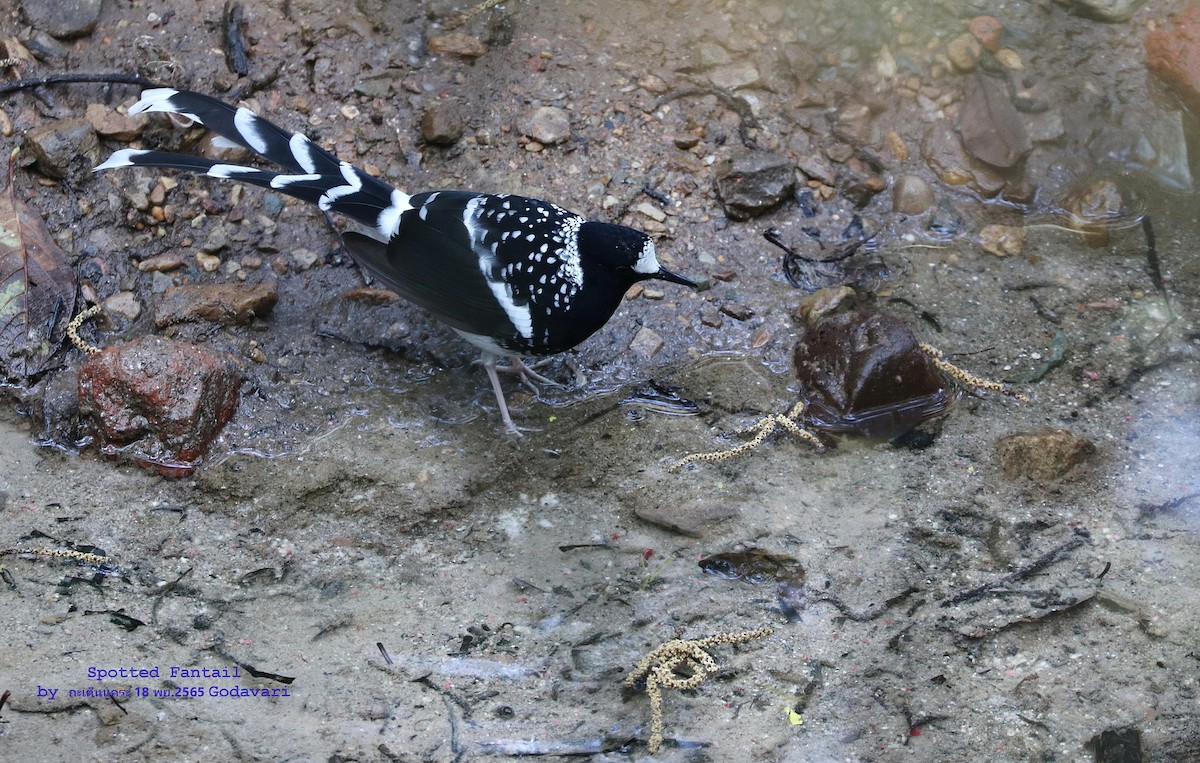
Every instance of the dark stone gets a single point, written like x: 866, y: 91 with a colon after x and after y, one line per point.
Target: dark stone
x: 62, y: 18
x: 56, y: 147
x: 1117, y: 746
x: 162, y: 401
x: 753, y: 183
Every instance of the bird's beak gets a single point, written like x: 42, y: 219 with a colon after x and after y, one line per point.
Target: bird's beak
x: 666, y: 275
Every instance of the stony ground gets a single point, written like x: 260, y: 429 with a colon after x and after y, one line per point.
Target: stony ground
x: 365, y: 537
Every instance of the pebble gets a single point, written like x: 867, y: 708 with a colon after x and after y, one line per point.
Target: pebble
x: 161, y: 263
x: 374, y: 87
x: 911, y: 195
x: 215, y: 303
x: 651, y: 211
x: 547, y: 125
x: 217, y: 239
x: 653, y: 294
x: 124, y: 304
x: 442, y: 124
x: 752, y: 183
x: 457, y: 44
x: 1002, y: 240
x: 1010, y: 59
x: 1045, y: 455
x: 817, y: 168
x: 737, y: 311
x: 822, y: 302
x: 646, y: 342
x: 964, y: 52
x: 303, y: 259
x: 944, y: 153
x: 209, y: 263
x: 986, y: 29
x: 1093, y: 208
x: 63, y: 19
x: 111, y: 123
x: 734, y: 76
x: 1045, y: 127
x: 57, y: 145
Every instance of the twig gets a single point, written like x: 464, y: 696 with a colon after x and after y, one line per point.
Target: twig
x: 235, y: 40
x: 63, y: 79
x: 1037, y: 565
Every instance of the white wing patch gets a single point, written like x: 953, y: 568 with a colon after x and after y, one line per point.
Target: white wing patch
x: 520, y: 316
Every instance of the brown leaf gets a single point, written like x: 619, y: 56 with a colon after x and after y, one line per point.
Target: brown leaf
x: 992, y: 129
x: 37, y: 289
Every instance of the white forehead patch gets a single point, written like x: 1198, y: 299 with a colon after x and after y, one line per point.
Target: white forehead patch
x: 647, y: 262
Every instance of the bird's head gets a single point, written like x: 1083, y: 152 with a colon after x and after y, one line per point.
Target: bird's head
x: 627, y: 254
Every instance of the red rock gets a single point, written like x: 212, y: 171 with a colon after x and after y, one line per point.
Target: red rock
x: 160, y: 400
x: 986, y: 29
x: 1173, y: 53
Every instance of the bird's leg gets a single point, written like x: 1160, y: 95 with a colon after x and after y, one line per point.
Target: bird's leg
x: 489, y: 364
x: 526, y: 374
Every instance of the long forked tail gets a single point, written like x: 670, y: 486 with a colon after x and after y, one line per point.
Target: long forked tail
x: 312, y: 173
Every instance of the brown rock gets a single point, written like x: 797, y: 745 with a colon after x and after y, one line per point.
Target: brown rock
x: 547, y: 125
x: 1002, y: 240
x: 986, y: 29
x: 162, y: 263
x: 822, y: 302
x: 113, y: 124
x: 964, y: 52
x: 911, y: 195
x: 441, y: 124
x: 1046, y: 455
x: 457, y: 44
x: 216, y: 303
x: 944, y: 152
x: 646, y: 342
x: 1173, y: 54
x: 1095, y: 208
x: 162, y: 401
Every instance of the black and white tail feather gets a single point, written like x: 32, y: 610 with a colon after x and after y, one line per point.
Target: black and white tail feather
x: 514, y: 276
x: 312, y: 173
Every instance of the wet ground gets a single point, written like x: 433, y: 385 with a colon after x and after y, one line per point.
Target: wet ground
x: 365, y: 537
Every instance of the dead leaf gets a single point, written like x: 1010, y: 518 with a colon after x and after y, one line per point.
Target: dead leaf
x: 37, y: 289
x: 992, y: 129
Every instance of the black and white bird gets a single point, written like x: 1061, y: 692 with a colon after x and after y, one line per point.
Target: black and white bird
x: 514, y: 276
